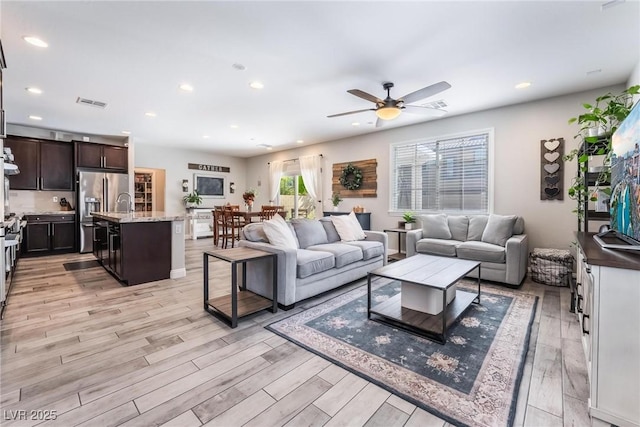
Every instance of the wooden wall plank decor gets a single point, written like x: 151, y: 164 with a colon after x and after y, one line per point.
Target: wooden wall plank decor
x: 369, y: 185
x: 552, y: 169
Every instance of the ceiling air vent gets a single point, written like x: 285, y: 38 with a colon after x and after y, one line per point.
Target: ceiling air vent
x: 436, y: 104
x: 91, y: 102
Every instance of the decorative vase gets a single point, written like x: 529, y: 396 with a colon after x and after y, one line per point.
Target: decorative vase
x: 335, y: 209
x: 408, y: 226
x: 249, y: 205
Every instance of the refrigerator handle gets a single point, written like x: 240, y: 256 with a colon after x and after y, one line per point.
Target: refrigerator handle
x: 105, y: 194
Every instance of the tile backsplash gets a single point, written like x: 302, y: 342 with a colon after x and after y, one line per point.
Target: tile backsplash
x: 38, y: 201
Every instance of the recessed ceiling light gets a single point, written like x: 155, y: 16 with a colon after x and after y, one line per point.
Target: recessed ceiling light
x: 150, y: 114
x: 355, y: 124
x: 126, y: 132
x: 205, y: 136
x: 269, y: 147
x: 256, y: 85
x: 35, y: 117
x: 234, y: 126
x: 35, y: 41
x: 523, y: 85
x: 186, y: 87
x: 34, y: 90
x: 300, y: 141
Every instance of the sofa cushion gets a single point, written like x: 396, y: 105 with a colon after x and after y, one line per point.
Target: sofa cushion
x: 309, y: 232
x: 370, y: 249
x: 458, y: 226
x: 518, y: 227
x: 343, y: 253
x: 477, y: 223
x: 437, y: 246
x: 481, y: 251
x: 348, y: 227
x: 498, y: 230
x: 330, y: 229
x: 312, y: 262
x: 255, y: 233
x: 435, y: 226
x: 279, y: 233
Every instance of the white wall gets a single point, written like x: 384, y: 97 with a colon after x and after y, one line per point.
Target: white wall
x: 634, y: 79
x: 175, y: 163
x: 518, y: 131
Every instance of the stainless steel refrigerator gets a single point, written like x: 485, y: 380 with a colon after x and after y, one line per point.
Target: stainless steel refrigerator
x: 97, y: 192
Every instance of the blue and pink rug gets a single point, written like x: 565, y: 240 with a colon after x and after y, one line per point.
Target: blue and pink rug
x: 473, y: 379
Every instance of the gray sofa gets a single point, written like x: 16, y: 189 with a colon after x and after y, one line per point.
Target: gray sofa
x: 320, y: 263
x: 498, y: 242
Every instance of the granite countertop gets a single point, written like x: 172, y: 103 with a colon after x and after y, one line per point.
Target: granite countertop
x: 122, y: 217
x: 49, y: 213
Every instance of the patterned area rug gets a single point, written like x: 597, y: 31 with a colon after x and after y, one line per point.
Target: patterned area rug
x: 473, y: 379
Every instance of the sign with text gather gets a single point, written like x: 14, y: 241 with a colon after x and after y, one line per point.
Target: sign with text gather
x: 209, y: 168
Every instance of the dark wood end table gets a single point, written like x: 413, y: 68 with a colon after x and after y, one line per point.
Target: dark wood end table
x: 240, y: 302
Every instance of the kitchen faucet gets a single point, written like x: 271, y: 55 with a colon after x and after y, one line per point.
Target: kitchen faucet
x: 130, y: 200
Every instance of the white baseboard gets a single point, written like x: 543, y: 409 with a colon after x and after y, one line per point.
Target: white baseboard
x: 178, y: 273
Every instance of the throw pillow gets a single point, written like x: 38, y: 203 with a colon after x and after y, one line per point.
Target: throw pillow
x: 279, y: 233
x: 477, y: 224
x: 309, y: 232
x: 348, y: 227
x: 435, y: 226
x: 498, y: 230
x: 458, y: 226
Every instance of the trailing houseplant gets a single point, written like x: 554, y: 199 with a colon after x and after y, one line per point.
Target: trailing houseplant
x: 192, y: 199
x: 597, y: 125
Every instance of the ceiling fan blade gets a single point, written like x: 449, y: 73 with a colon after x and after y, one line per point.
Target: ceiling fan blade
x: 365, y: 95
x: 425, y: 92
x: 351, y: 112
x: 427, y: 111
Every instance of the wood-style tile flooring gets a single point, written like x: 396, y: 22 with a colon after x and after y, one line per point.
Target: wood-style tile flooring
x: 95, y: 353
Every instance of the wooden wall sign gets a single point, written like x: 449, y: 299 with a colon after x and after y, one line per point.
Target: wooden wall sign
x: 551, y: 169
x: 369, y: 185
x: 209, y: 168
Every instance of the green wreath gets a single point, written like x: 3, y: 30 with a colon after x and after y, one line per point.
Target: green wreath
x: 351, y: 177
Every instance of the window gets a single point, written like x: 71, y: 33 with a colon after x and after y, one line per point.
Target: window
x: 293, y: 193
x: 443, y: 175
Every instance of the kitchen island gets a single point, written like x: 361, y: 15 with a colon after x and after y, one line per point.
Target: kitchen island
x: 140, y: 247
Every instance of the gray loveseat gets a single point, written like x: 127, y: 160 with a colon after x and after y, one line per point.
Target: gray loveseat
x: 320, y: 263
x: 497, y: 241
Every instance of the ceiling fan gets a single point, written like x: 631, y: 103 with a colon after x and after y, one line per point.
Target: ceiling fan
x: 389, y: 108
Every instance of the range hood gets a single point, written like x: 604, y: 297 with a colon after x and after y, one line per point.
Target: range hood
x: 10, y: 168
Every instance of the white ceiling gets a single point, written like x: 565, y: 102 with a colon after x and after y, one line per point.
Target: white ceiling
x: 133, y: 56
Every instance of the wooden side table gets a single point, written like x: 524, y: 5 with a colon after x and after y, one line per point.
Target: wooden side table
x: 402, y: 235
x: 240, y: 302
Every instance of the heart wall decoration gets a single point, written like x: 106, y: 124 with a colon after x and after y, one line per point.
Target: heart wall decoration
x: 551, y: 169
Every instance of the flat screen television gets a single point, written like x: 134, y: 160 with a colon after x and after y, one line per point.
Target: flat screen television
x: 209, y: 186
x: 625, y: 186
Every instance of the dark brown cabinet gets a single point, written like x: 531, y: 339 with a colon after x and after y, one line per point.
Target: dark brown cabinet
x: 134, y: 252
x: 44, y: 165
x: 101, y: 156
x: 49, y: 234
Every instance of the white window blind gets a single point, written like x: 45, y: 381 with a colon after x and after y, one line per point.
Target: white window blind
x: 444, y: 175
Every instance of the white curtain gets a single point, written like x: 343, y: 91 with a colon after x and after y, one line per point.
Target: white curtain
x: 275, y: 174
x: 311, y: 171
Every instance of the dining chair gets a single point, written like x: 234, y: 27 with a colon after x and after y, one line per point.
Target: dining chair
x: 267, y: 212
x: 232, y: 224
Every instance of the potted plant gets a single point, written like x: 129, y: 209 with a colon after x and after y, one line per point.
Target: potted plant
x: 249, y: 196
x: 597, y: 125
x: 409, y: 220
x: 335, y: 200
x: 192, y: 200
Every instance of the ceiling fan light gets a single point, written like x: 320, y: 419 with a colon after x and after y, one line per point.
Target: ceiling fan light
x: 388, y: 113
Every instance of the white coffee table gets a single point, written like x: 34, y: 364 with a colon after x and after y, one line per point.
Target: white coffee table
x: 437, y: 277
